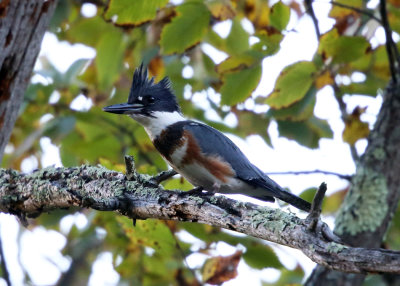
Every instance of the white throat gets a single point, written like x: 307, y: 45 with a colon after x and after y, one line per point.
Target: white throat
x: 160, y: 120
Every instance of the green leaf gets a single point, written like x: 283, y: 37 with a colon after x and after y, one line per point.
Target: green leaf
x: 132, y: 13
x: 341, y: 12
x: 279, y: 16
x: 292, y: 85
x: 268, y: 44
x: 109, y: 58
x: 238, y: 85
x: 59, y: 127
x: 306, y: 133
x: 342, y: 49
x: 368, y: 87
x: 236, y: 62
x: 238, y: 39
x: 186, y: 29
x: 151, y: 233
x: 261, y: 256
x: 74, y: 70
x: 88, y: 31
x: 298, y: 111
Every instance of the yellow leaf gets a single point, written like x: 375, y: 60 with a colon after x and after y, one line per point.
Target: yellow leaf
x: 355, y: 129
x: 323, y: 79
x: 220, y: 269
x: 221, y: 10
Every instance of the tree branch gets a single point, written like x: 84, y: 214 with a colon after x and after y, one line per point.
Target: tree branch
x: 138, y: 198
x: 390, y: 46
x: 316, y: 171
x: 310, y: 11
x: 358, y: 10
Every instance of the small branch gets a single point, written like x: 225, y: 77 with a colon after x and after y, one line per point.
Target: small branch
x: 342, y: 107
x: 389, y: 40
x: 4, y: 268
x: 310, y: 11
x: 130, y: 167
x: 163, y: 176
x: 101, y: 189
x: 341, y: 176
x: 316, y: 207
x: 358, y: 10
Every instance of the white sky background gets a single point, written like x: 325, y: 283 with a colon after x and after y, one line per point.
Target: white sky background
x: 40, y: 251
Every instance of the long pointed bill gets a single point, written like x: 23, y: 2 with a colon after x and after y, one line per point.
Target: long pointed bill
x: 123, y: 108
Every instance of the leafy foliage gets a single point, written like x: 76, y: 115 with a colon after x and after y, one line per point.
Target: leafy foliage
x: 170, y: 38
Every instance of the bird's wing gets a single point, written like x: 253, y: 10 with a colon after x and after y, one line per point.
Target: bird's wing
x: 213, y: 143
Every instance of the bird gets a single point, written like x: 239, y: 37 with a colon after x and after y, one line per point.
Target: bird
x: 204, y: 156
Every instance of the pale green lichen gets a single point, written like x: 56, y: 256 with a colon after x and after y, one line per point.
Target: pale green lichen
x: 379, y: 154
x: 273, y: 219
x: 334, y: 247
x: 198, y: 200
x: 214, y: 199
x: 365, y: 206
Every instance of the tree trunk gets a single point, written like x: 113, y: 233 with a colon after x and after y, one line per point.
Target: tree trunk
x: 22, y: 27
x: 364, y: 217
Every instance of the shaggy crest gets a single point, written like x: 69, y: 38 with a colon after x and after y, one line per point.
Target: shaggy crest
x: 143, y: 86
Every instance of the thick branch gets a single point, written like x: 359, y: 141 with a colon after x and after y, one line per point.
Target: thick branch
x: 101, y: 189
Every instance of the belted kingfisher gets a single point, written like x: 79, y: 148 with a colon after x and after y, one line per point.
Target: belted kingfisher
x: 203, y: 155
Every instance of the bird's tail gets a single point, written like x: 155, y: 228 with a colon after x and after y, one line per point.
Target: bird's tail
x: 280, y: 193
x: 294, y: 200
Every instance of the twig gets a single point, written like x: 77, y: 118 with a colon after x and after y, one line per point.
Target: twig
x: 389, y: 40
x: 165, y: 175
x: 342, y: 107
x: 345, y: 177
x: 130, y: 167
x: 310, y: 10
x: 6, y: 273
x: 361, y: 11
x: 316, y: 207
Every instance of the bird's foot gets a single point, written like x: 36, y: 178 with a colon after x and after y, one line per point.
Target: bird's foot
x: 195, y: 191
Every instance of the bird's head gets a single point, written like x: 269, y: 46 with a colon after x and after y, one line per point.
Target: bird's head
x: 147, y: 98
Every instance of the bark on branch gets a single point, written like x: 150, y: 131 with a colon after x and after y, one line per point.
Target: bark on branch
x: 140, y: 198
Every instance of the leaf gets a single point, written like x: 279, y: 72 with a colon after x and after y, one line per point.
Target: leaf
x: 59, y: 127
x: 370, y: 86
x: 355, y: 129
x: 298, y: 111
x: 186, y: 29
x: 258, y: 13
x: 279, y: 16
x: 151, y: 233
x: 292, y: 84
x: 132, y: 13
x: 238, y: 85
x: 220, y: 269
x: 261, y: 256
x: 268, y: 44
x: 342, y: 49
x: 324, y: 79
x: 88, y: 30
x: 221, y: 10
x: 306, y: 133
x: 235, y: 63
x: 109, y: 58
x: 74, y: 71
x: 238, y: 39
x: 341, y: 12
x: 252, y: 123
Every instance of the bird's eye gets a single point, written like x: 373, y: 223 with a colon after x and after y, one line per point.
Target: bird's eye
x: 150, y: 99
